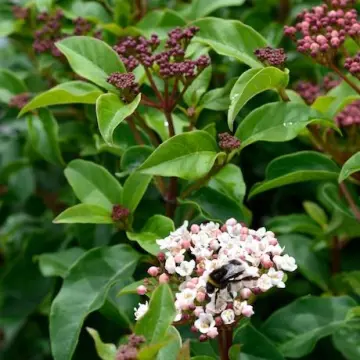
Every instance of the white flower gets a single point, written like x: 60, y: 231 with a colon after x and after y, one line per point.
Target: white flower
x: 228, y: 316
x: 261, y: 232
x: 285, y: 262
x: 165, y: 243
x: 276, y: 277
x: 141, y: 310
x: 264, y: 282
x: 186, y: 297
x: 178, y: 315
x: 251, y: 271
x: 186, y: 268
x: 203, y: 252
x: 220, y: 306
x: 170, y: 265
x: 238, y: 306
x: 205, y: 323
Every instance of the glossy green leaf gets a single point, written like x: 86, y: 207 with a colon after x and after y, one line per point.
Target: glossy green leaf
x: 84, y: 214
x: 350, y: 167
x: 202, y: 8
x: 202, y: 358
x: 135, y: 187
x: 105, y: 351
x: 254, y: 345
x: 217, y: 99
x: 44, y: 5
x: 10, y: 85
x: 134, y: 156
x: 297, y: 327
x: 198, y: 88
x: 251, y: 83
x: 131, y: 288
x: 157, y: 320
x: 315, y: 212
x: 111, y: 111
x: 84, y: 290
x: 43, y: 135
x: 310, y: 264
x: 231, y: 38
x: 58, y: 263
x: 157, y: 227
x: 188, y: 156
x: 170, y: 351
x: 91, y: 58
x: 277, y: 122
x: 67, y: 93
x: 93, y: 184
x: 295, y: 168
x: 91, y: 10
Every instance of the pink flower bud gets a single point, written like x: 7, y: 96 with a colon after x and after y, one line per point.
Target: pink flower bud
x: 223, y: 228
x: 190, y: 285
x: 248, y: 311
x: 244, y: 230
x: 231, y: 222
x: 195, y: 280
x: 141, y: 290
x: 179, y: 258
x: 161, y: 256
x: 194, y: 329
x: 212, y: 333
x: 270, y: 234
x: 217, y: 232
x: 153, y: 271
x: 321, y: 39
x: 185, y: 244
x: 218, y: 321
x: 198, y: 310
x: 195, y: 228
x: 214, y: 245
x: 273, y: 241
x: 200, y: 296
x: 203, y: 338
x: 229, y: 306
x: 163, y: 278
x: 200, y: 271
x: 245, y: 293
x: 185, y: 317
x: 265, y: 261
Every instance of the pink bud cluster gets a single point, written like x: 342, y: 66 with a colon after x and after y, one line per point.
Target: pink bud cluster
x: 228, y: 142
x: 168, y: 63
x: 52, y: 31
x: 126, y: 83
x: 321, y: 31
x: 352, y: 64
x: 119, y: 213
x: 130, y: 350
x: 19, y: 101
x: 330, y: 81
x: 20, y: 12
x: 188, y: 259
x: 271, y: 56
x: 350, y: 115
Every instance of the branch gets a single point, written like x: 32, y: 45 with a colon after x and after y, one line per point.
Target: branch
x: 344, y: 190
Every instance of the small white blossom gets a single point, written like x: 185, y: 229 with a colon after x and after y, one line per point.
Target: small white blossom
x: 141, y: 310
x: 178, y: 316
x: 186, y: 268
x: 170, y: 265
x: 186, y: 297
x: 239, y: 306
x: 205, y: 323
x: 276, y: 277
x: 228, y: 316
x: 264, y: 283
x: 285, y: 262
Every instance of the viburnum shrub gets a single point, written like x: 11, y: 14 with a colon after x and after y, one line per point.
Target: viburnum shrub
x: 181, y: 176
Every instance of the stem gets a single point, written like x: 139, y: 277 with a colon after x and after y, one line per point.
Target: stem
x: 284, y: 9
x: 170, y: 121
x: 346, y: 79
x: 350, y: 200
x: 223, y: 344
x: 153, y: 85
x: 148, y: 131
x: 135, y: 131
x: 171, y: 198
x: 335, y: 256
x: 283, y: 95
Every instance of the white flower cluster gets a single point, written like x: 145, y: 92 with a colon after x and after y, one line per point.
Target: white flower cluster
x: 251, y: 262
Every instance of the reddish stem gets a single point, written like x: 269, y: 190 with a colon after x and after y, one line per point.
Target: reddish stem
x: 135, y: 131
x: 148, y: 131
x: 153, y: 85
x: 350, y: 200
x: 335, y: 256
x: 345, y: 78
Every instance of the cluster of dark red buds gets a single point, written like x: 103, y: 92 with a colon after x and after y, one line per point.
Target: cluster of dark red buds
x: 352, y: 64
x: 20, y: 12
x: 171, y: 62
x: 228, y: 142
x: 321, y: 31
x: 19, y: 101
x: 119, y: 213
x: 130, y: 350
x: 271, y: 56
x: 51, y: 31
x: 329, y: 82
x: 126, y: 83
x: 350, y: 115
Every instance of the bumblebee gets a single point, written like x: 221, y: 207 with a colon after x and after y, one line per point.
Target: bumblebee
x: 222, y: 277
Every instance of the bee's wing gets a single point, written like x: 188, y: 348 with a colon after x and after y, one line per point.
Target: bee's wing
x: 233, y: 272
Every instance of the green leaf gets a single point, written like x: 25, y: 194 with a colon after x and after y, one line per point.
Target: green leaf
x: 134, y: 156
x: 316, y: 212
x: 160, y: 22
x: 311, y: 266
x: 231, y: 38
x: 105, y: 351
x: 84, y: 214
x: 135, y: 187
x: 71, y: 92
x: 277, y: 122
x: 157, y: 227
x: 350, y: 167
x: 254, y: 345
x: 84, y: 291
x: 10, y: 85
x: 157, y: 320
x: 294, y: 223
x: 316, y: 317
x: 43, y: 5
x: 170, y: 351
x: 58, y: 263
x: 217, y: 99
x: 295, y: 168
x: 91, y: 58
x: 202, y: 358
x: 111, y: 112
x: 131, y: 288
x: 198, y: 87
x: 93, y: 184
x: 44, y: 136
x: 201, y: 8
x: 251, y: 83
x: 90, y: 10
x: 188, y: 156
